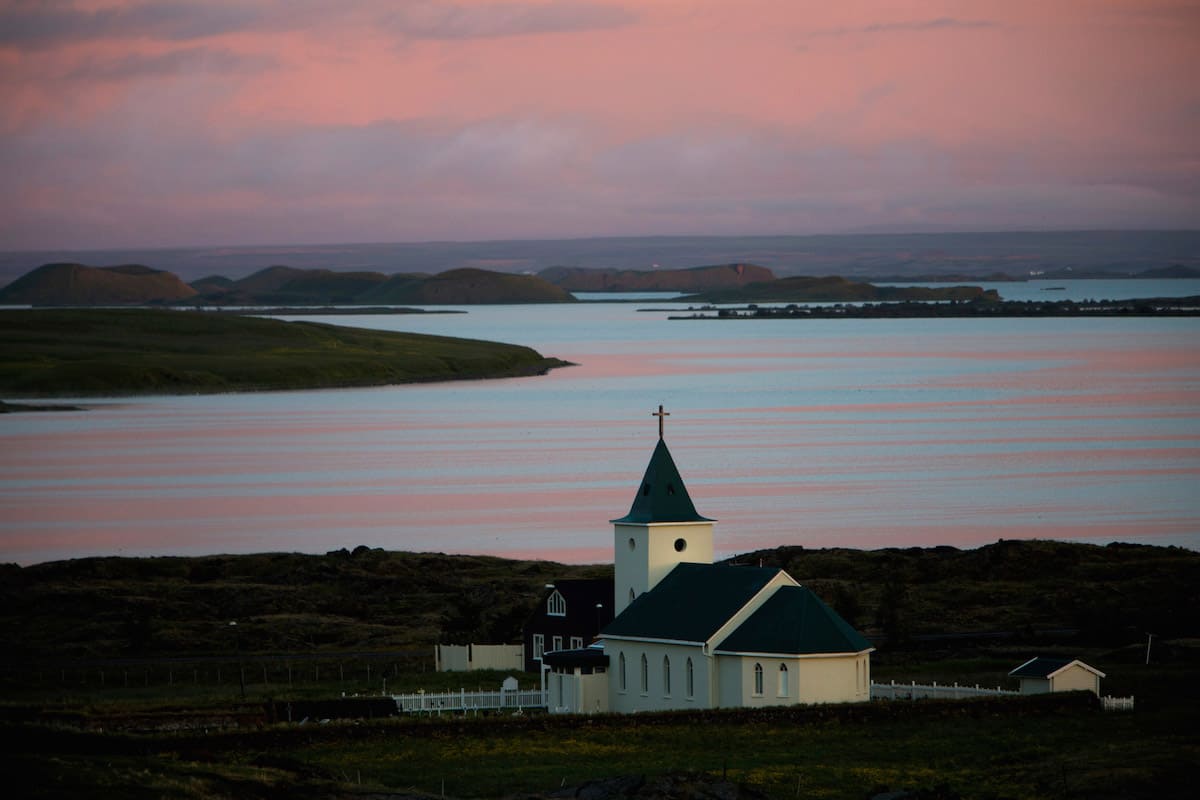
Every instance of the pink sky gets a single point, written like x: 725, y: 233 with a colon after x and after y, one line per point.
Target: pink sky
x: 202, y: 122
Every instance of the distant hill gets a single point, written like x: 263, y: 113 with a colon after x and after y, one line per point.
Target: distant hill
x: 281, y: 285
x: 834, y: 290
x: 466, y: 287
x: 81, y: 285
x: 862, y: 256
x: 694, y: 279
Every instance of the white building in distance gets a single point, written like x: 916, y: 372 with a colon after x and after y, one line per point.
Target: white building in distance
x: 692, y: 634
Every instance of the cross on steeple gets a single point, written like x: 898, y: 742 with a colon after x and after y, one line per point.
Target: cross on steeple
x: 660, y: 414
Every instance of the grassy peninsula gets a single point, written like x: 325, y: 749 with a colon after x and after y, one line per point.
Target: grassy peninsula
x: 86, y: 352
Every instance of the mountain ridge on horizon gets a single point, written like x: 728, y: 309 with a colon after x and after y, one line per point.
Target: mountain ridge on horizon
x: 866, y: 255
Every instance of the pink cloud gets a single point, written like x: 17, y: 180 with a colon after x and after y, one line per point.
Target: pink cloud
x: 266, y: 120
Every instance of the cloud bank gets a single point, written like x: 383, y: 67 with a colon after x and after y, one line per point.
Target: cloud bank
x: 174, y: 123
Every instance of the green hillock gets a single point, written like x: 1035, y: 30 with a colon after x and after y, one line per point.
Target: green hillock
x: 85, y: 352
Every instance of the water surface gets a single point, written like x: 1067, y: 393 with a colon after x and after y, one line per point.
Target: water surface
x: 860, y: 433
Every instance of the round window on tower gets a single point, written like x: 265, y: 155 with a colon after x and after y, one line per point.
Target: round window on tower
x: 680, y: 545
x: 632, y: 543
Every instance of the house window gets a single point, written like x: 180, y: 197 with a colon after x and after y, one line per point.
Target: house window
x: 576, y: 642
x: 621, y: 671
x: 557, y: 642
x: 783, y: 680
x: 539, y: 646
x: 666, y: 676
x: 556, y: 606
x: 690, y: 679
x: 645, y: 674
x: 758, y: 679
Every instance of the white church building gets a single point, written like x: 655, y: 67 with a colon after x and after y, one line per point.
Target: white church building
x: 688, y: 633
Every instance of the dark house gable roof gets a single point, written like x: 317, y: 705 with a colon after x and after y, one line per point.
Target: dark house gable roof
x: 691, y: 603
x: 662, y: 497
x: 794, y: 621
x: 582, y: 595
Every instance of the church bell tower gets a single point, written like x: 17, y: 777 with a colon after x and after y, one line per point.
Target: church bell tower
x: 661, y: 530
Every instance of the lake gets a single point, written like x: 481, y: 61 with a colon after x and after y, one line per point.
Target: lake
x: 856, y: 433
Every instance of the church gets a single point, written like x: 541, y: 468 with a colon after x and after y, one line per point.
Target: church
x: 687, y: 633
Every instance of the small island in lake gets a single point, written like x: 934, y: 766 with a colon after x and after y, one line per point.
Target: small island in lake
x: 913, y: 309
x: 106, y: 352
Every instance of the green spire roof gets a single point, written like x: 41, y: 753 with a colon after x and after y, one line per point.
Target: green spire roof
x: 662, y: 497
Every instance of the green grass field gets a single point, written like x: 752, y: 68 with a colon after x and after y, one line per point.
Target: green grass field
x: 85, y: 352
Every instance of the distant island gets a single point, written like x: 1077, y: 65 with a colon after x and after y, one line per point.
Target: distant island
x: 280, y: 287
x: 983, y: 307
x: 692, y: 279
x: 68, y: 284
x: 94, y: 352
x: 833, y: 289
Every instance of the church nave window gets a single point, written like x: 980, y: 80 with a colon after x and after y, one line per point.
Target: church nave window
x: 645, y: 675
x: 758, y: 679
x: 783, y: 680
x: 690, y: 679
x: 621, y: 671
x: 666, y: 676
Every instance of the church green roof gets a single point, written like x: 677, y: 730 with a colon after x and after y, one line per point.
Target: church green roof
x: 794, y: 621
x: 662, y: 497
x: 691, y: 603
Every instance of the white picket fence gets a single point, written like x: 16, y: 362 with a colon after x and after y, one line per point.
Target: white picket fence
x: 462, y: 700
x: 515, y: 700
x: 919, y: 691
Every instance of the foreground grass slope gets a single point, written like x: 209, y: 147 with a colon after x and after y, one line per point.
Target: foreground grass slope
x: 80, y: 352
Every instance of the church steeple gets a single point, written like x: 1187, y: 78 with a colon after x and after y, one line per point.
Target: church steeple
x: 661, y: 530
x: 662, y: 497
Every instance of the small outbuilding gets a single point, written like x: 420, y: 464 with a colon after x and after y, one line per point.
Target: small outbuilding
x: 1041, y: 675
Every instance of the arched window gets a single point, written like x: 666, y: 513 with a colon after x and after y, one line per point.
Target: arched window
x: 631, y: 594
x: 645, y: 674
x: 666, y: 676
x: 783, y: 680
x: 556, y: 605
x: 758, y: 679
x: 621, y: 671
x: 690, y: 677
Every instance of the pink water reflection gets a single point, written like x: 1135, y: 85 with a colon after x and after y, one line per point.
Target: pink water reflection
x: 861, y: 441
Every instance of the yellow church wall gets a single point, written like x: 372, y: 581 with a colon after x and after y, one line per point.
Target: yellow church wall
x: 809, y: 679
x: 834, y: 679
x: 656, y: 696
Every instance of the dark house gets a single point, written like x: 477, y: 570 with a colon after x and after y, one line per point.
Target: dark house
x: 568, y: 617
